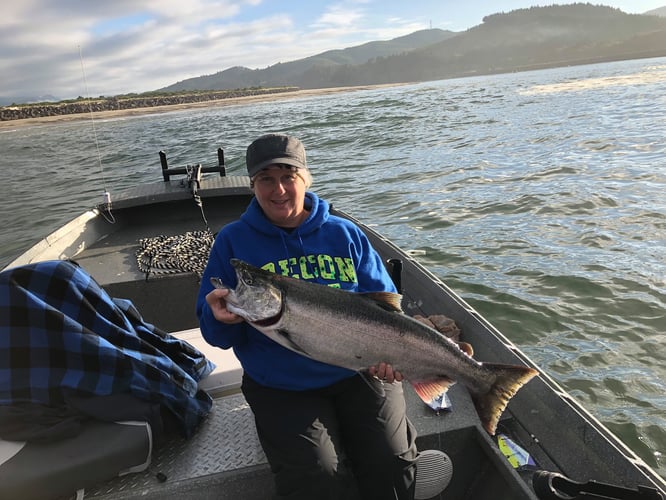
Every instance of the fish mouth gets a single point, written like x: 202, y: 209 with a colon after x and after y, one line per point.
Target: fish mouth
x: 233, y: 304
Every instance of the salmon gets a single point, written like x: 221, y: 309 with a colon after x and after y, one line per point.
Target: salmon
x: 359, y: 330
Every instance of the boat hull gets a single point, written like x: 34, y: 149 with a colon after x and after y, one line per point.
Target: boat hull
x: 547, y: 422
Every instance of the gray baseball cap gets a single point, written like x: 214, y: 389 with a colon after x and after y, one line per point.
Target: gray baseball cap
x: 274, y: 148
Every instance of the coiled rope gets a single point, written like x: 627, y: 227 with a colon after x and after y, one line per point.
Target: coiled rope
x: 186, y: 252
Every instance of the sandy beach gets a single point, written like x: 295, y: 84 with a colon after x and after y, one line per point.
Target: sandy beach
x: 278, y: 96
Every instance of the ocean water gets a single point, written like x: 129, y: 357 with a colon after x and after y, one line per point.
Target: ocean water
x: 540, y: 197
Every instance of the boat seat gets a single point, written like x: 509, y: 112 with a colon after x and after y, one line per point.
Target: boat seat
x: 100, y: 451
x: 228, y: 374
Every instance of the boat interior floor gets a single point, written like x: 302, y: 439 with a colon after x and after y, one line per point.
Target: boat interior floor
x: 224, y: 459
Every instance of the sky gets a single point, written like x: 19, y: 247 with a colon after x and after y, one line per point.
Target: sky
x: 90, y: 48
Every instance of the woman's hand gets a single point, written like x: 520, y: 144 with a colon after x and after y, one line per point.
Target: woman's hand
x: 216, y: 300
x: 385, y: 373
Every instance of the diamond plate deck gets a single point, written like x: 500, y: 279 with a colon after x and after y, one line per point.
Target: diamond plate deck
x: 227, y: 441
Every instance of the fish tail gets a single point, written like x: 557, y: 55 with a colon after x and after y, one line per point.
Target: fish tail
x: 508, y: 379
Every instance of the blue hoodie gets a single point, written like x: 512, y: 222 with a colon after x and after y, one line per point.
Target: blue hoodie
x: 325, y: 249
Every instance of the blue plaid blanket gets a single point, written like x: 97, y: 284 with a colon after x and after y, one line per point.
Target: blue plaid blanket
x: 61, y: 335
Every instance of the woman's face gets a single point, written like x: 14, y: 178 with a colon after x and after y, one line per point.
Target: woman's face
x: 281, y: 193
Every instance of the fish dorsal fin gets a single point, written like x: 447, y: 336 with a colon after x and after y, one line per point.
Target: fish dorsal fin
x: 466, y: 348
x: 386, y: 300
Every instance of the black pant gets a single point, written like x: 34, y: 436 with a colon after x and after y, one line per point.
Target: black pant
x: 306, y: 434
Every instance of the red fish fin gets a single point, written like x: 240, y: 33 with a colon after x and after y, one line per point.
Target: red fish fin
x: 385, y: 300
x: 491, y: 404
x: 431, y: 389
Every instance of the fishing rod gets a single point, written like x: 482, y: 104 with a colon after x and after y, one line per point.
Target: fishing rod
x: 105, y: 206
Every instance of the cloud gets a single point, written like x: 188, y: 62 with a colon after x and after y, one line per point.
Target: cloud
x: 339, y: 16
x: 140, y: 45
x: 130, y: 45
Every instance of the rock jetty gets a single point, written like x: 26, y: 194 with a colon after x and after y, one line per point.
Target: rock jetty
x: 39, y: 110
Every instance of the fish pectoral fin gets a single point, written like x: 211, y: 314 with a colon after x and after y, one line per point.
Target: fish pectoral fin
x: 386, y: 300
x: 430, y: 390
x: 287, y: 342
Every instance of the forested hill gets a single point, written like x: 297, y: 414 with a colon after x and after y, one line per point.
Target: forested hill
x: 240, y: 77
x: 523, y: 39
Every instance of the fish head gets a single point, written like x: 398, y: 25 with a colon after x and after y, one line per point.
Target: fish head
x: 256, y: 297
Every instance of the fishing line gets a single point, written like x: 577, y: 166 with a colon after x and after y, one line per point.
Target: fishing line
x: 106, y: 204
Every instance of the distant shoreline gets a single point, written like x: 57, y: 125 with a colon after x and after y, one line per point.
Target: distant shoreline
x: 229, y: 101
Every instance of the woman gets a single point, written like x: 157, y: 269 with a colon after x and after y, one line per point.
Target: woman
x: 311, y: 417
